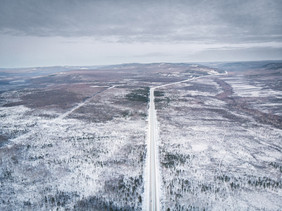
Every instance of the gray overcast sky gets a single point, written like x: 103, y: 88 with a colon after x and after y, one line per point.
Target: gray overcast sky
x: 88, y: 32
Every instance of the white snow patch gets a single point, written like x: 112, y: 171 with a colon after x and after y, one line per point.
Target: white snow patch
x: 199, y: 147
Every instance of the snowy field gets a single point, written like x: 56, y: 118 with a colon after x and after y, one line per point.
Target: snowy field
x: 75, y: 139
x: 216, y: 155
x: 70, y: 163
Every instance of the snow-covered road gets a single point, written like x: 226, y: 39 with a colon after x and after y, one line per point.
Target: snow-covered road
x: 152, y: 158
x: 152, y: 180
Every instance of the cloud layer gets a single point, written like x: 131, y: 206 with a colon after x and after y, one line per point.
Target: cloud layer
x: 132, y: 20
x: 82, y: 32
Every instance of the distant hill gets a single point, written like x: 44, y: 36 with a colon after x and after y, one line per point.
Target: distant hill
x: 273, y: 66
x: 240, y: 66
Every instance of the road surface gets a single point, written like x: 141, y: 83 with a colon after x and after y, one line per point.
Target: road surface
x: 154, y: 201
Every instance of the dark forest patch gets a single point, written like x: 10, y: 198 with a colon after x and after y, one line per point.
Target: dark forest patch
x: 141, y: 95
x: 53, y: 98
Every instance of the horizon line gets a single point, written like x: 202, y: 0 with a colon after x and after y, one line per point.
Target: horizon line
x: 142, y: 63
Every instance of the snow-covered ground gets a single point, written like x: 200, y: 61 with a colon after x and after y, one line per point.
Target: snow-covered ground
x: 214, y: 157
x: 61, y: 161
x: 69, y: 142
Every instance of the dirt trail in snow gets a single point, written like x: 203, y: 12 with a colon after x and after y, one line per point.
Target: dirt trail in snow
x: 64, y: 115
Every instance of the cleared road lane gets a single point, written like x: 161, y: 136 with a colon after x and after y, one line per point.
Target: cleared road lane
x: 152, y: 150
